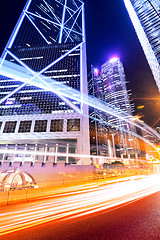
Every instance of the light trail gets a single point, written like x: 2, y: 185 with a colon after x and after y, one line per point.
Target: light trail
x: 156, y: 122
x: 76, y: 204
x: 20, y: 73
x: 156, y: 98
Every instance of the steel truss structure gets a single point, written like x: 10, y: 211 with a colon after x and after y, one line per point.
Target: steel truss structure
x: 68, y: 29
x: 47, y: 23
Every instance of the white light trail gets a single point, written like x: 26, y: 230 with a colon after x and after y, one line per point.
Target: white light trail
x: 76, y: 204
x: 19, y: 73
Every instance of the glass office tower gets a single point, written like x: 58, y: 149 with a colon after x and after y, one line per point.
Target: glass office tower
x: 115, y: 90
x: 98, y: 119
x: 116, y: 94
x: 145, y: 16
x: 49, y: 43
x: 109, y: 85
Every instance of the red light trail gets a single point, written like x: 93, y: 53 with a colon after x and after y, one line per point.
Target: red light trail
x: 65, y: 206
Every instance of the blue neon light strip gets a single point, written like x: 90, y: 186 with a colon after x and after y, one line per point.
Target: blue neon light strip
x: 19, y: 73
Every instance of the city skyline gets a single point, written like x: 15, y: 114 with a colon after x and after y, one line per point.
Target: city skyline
x: 110, y: 33
x: 76, y: 160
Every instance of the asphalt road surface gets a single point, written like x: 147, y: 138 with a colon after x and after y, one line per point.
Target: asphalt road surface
x: 137, y: 219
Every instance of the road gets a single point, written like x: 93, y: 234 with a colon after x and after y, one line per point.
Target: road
x: 106, y: 212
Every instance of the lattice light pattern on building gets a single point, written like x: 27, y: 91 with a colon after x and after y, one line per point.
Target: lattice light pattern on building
x: 48, y: 43
x: 58, y: 26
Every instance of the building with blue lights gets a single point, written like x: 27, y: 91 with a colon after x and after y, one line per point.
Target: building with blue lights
x: 108, y: 132
x: 116, y: 94
x: 145, y: 16
x: 114, y: 87
x: 98, y: 126
x: 49, y: 43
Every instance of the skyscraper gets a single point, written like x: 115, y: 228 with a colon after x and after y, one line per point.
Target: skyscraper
x: 145, y: 16
x: 109, y: 85
x: 117, y: 95
x: 98, y: 126
x: 115, y: 90
x: 48, y: 40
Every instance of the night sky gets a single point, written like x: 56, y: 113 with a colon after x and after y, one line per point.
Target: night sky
x: 109, y: 33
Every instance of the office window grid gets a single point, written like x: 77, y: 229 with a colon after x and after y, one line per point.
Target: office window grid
x: 10, y: 127
x: 144, y: 15
x: 40, y: 126
x: 73, y: 125
x: 51, y: 10
x: 56, y: 125
x: 25, y: 126
x: 148, y: 13
x: 33, y: 100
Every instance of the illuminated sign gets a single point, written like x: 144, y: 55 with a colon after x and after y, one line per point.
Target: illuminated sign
x: 9, y: 102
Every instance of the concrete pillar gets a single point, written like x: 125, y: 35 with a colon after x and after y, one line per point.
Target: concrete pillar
x: 122, y: 160
x: 84, y: 123
x: 113, y: 144
x: 35, y: 149
x: 136, y: 157
x: 4, y: 153
x: 110, y: 151
x: 25, y: 149
x: 45, y: 151
x: 56, y: 153
x: 67, y: 151
x: 14, y: 152
x: 129, y: 158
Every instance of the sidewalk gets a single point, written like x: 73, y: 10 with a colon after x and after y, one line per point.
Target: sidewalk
x: 33, y: 194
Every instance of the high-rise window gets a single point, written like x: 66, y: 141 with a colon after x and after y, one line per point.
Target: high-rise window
x: 25, y: 126
x: 40, y: 126
x: 73, y: 125
x: 145, y: 16
x: 32, y: 100
x: 10, y: 127
x: 56, y: 125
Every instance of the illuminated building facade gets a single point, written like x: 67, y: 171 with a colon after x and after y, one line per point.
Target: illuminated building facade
x: 48, y: 40
x: 109, y: 85
x: 145, y: 16
x: 108, y: 131
x: 115, y: 90
x: 98, y: 127
x: 117, y: 95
